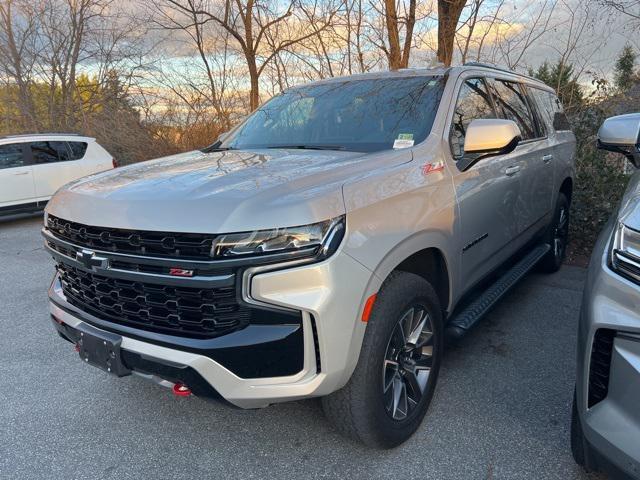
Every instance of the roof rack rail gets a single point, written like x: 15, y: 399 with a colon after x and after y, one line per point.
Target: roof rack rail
x: 40, y: 134
x: 500, y: 69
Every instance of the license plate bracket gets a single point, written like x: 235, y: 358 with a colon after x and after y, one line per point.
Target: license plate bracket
x: 101, y: 349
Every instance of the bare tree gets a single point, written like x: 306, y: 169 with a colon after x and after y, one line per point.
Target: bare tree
x: 626, y: 7
x: 482, y: 23
x: 18, y: 33
x: 73, y: 34
x: 514, y: 45
x: 398, y: 54
x: 249, y: 22
x: 449, y: 12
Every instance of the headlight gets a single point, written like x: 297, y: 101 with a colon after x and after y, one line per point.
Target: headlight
x: 625, y: 251
x: 321, y: 238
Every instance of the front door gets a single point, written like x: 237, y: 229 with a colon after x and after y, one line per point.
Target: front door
x: 16, y: 176
x: 488, y: 193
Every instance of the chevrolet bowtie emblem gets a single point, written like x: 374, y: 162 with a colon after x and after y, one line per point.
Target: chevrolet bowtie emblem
x: 89, y: 259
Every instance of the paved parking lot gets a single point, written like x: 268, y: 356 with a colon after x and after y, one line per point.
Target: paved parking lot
x: 501, y: 409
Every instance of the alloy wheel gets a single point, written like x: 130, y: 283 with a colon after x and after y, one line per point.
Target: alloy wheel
x: 407, y: 362
x: 561, y: 233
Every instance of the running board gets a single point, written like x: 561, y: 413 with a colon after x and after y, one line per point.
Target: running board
x: 459, y: 325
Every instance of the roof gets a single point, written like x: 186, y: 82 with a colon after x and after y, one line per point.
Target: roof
x: 432, y: 71
x: 41, y: 136
x: 501, y: 69
x: 384, y: 74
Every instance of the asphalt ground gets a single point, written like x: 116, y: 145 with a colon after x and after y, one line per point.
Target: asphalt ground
x: 501, y: 409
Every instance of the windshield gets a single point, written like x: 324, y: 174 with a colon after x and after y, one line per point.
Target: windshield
x: 357, y: 115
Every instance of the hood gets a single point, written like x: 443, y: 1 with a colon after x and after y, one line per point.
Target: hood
x: 216, y: 192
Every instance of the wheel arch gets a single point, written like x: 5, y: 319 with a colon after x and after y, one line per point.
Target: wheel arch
x: 567, y: 188
x: 430, y: 264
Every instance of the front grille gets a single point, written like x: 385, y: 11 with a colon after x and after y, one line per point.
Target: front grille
x: 139, y: 266
x: 600, y: 365
x: 192, y: 246
x: 182, y: 311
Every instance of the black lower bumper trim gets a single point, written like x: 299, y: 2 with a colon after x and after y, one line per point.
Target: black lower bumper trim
x: 273, y: 346
x: 174, y: 373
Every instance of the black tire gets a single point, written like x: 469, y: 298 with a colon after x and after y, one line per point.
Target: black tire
x: 557, y: 236
x: 579, y: 445
x: 361, y: 409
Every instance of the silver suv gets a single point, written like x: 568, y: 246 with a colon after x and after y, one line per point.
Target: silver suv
x: 322, y: 248
x: 605, y: 425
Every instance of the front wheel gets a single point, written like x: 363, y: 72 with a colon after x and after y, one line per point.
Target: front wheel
x: 392, y: 385
x: 557, y: 236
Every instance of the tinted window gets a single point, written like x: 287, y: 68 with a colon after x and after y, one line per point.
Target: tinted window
x: 78, y: 149
x: 49, y: 152
x: 545, y: 107
x: 473, y: 102
x: 512, y: 105
x: 359, y: 115
x: 551, y: 109
x: 538, y: 114
x: 11, y: 156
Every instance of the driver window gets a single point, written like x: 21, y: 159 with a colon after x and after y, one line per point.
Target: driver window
x: 473, y: 102
x: 11, y: 156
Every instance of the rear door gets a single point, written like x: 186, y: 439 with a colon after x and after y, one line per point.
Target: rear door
x: 557, y: 124
x: 54, y: 165
x: 533, y: 157
x: 92, y: 157
x: 16, y: 176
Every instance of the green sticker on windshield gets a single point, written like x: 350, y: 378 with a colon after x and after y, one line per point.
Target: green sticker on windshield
x: 405, y: 136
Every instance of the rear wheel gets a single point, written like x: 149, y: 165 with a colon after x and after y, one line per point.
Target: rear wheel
x: 557, y: 236
x: 392, y: 385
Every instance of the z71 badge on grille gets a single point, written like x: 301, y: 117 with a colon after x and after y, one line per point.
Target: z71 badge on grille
x: 180, y: 272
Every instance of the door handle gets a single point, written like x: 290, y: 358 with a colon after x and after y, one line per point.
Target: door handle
x: 510, y: 171
x: 547, y: 158
x: 22, y: 173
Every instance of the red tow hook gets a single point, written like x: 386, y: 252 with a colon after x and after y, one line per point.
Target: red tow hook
x: 181, y: 390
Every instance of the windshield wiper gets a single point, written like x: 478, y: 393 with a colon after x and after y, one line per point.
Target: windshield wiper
x: 215, y: 147
x: 309, y: 147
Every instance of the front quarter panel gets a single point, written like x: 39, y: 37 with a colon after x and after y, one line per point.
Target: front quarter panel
x: 396, y: 212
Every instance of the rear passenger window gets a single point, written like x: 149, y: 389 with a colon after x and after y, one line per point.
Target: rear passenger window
x: 78, y: 149
x: 11, y: 156
x: 50, y: 152
x: 545, y: 106
x: 512, y: 105
x: 473, y: 102
x: 551, y: 109
x: 538, y: 115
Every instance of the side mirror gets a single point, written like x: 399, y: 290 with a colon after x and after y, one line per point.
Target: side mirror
x: 487, y: 138
x: 621, y: 134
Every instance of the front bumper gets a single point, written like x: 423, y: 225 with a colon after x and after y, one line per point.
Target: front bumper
x: 330, y: 296
x: 611, y: 420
